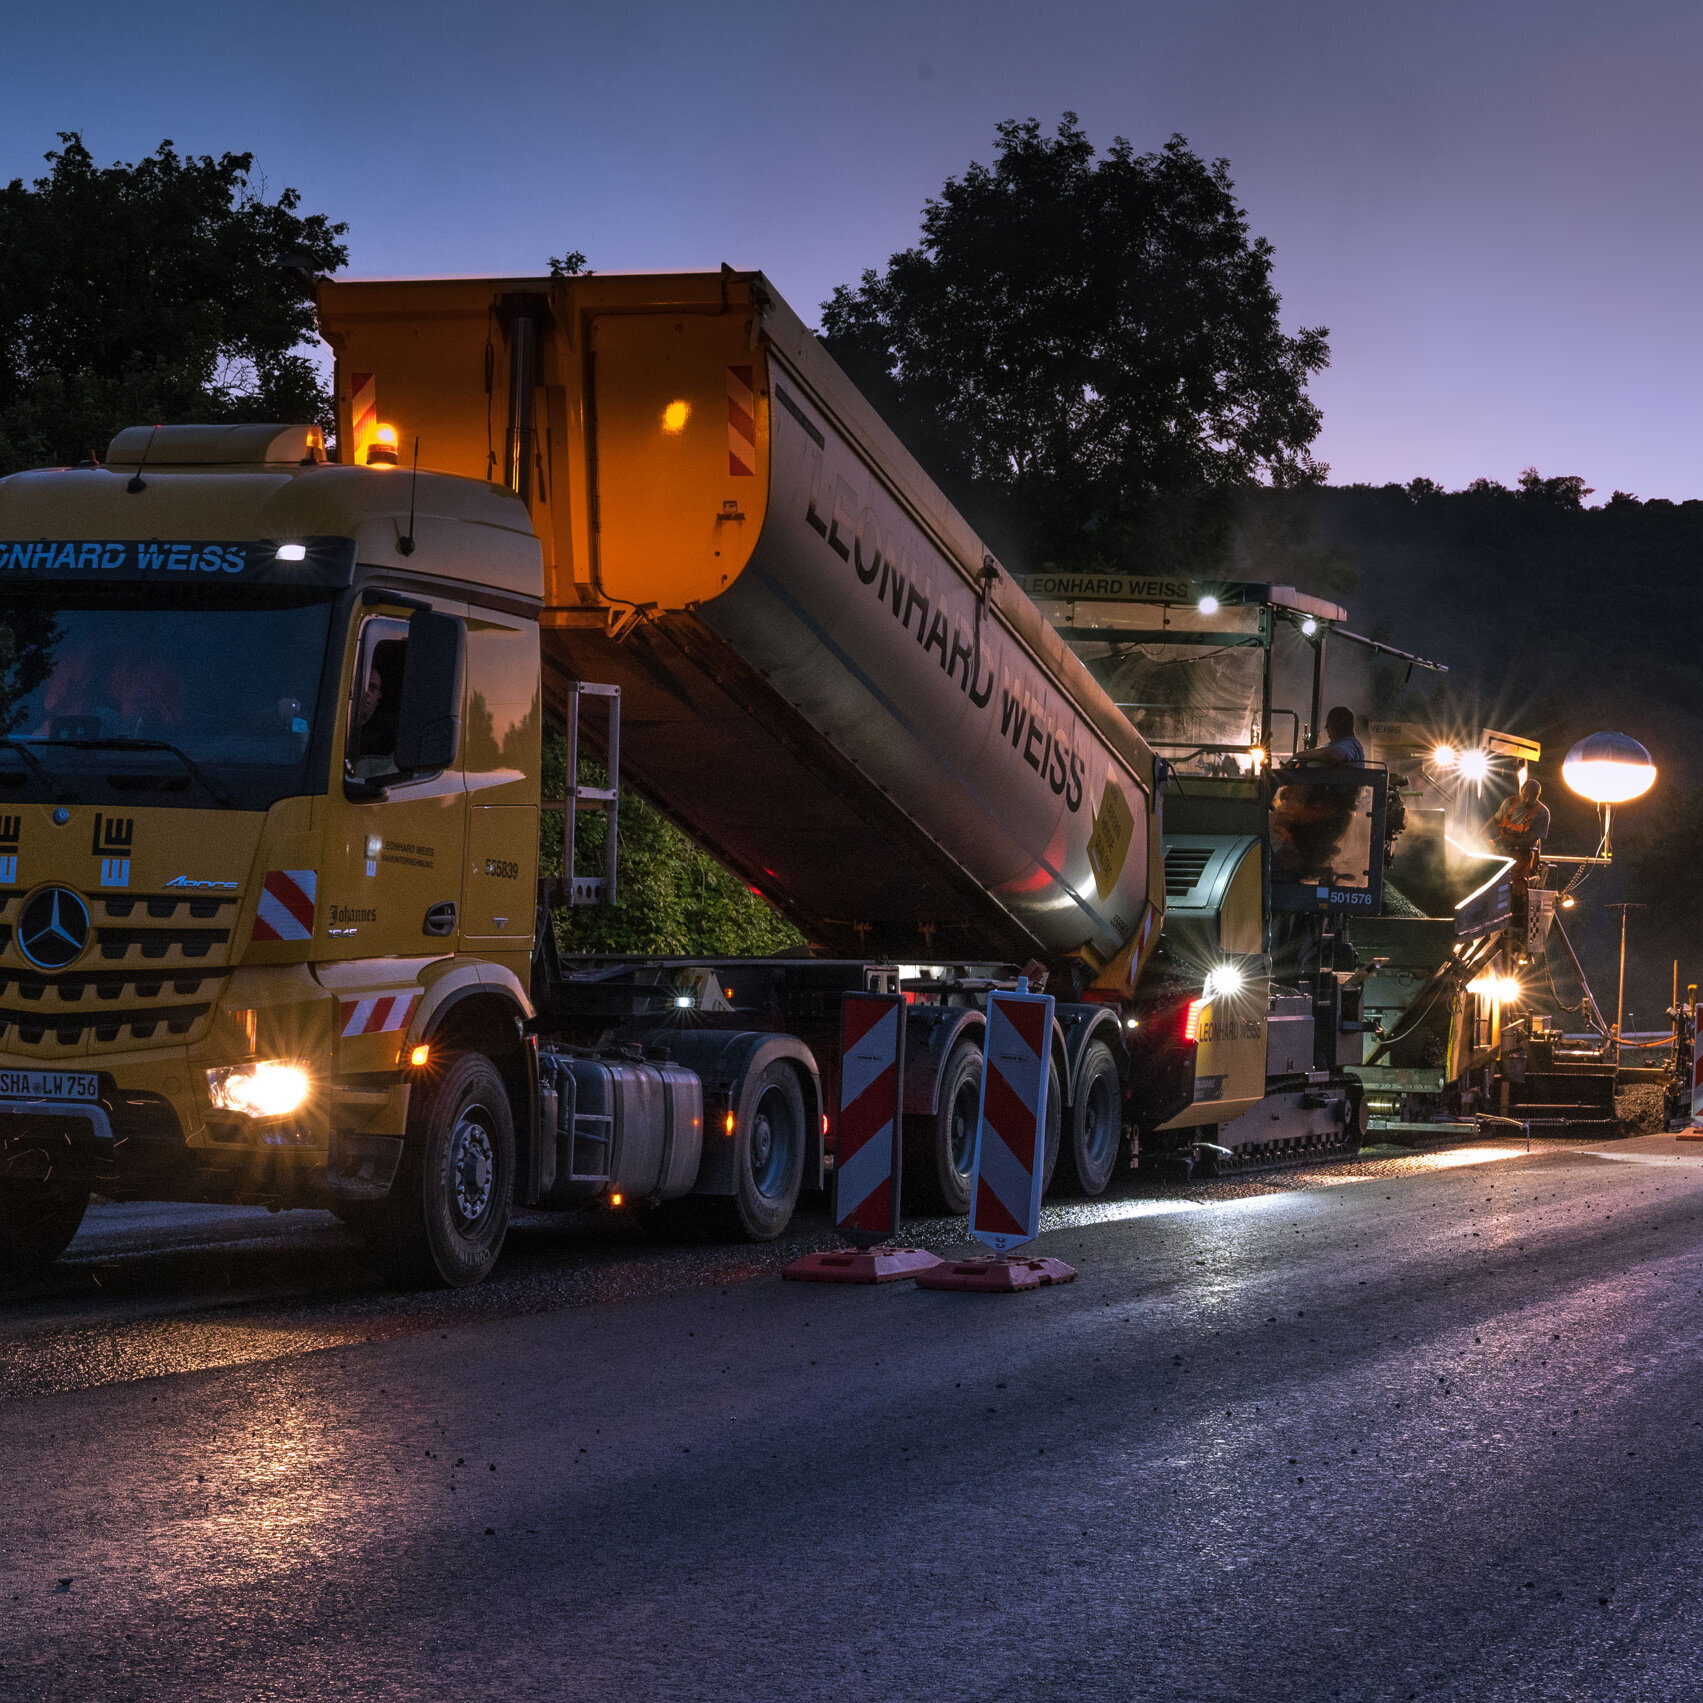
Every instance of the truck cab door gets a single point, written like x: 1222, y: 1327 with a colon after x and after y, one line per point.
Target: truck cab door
x: 501, y: 748
x: 395, y: 844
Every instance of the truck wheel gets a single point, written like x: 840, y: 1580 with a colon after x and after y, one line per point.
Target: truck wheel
x: 1092, y: 1136
x: 768, y: 1156
x: 768, y: 1170
x: 37, y: 1222
x: 940, y: 1150
x: 451, y: 1203
x: 1055, y: 1124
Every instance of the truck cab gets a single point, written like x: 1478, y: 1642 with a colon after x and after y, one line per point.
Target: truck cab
x: 269, y: 803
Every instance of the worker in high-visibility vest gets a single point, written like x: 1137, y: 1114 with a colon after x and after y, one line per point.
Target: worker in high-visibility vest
x: 1520, y: 826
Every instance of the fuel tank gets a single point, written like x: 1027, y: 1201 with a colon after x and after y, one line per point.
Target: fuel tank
x: 826, y: 679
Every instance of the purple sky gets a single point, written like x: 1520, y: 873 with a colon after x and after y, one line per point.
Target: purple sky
x: 1493, y: 206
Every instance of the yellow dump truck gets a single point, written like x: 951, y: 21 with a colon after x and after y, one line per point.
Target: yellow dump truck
x: 270, y: 794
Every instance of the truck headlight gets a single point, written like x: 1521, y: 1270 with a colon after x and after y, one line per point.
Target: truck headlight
x: 271, y: 1089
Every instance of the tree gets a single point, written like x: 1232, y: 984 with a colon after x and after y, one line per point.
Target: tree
x: 1086, y: 352
x: 167, y: 290
x: 1567, y: 491
x: 673, y: 897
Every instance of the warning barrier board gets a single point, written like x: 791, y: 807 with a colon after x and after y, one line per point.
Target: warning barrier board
x: 872, y: 1069
x: 1695, y: 1132
x: 1011, y: 1128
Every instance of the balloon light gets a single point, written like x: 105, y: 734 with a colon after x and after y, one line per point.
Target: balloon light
x: 1609, y: 768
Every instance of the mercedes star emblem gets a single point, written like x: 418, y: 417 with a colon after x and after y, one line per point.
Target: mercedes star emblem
x: 54, y: 928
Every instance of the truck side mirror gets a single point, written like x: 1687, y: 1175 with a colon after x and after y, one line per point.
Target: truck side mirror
x: 428, y: 722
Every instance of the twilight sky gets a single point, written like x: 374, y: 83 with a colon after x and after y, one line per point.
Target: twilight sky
x: 1493, y: 206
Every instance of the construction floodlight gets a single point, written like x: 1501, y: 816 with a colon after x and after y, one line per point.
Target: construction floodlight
x: 1609, y: 768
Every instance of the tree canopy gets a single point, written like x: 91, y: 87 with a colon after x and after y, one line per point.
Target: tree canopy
x: 1086, y: 351
x: 158, y: 291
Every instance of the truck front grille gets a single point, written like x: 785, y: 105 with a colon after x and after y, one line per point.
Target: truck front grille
x: 161, y: 927
x: 65, y: 1029
x: 62, y: 1011
x: 153, y: 972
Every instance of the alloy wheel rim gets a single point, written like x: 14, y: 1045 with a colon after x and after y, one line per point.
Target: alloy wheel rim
x: 472, y: 1166
x: 1099, y: 1123
x: 773, y: 1139
x: 966, y: 1103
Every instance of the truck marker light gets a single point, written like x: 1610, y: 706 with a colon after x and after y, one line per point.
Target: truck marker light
x: 1191, y: 1020
x: 420, y: 1056
x: 675, y: 416
x: 617, y: 1199
x: 292, y: 552
x: 729, y: 1122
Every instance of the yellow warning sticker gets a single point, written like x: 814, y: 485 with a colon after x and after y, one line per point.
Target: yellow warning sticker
x: 1108, y: 844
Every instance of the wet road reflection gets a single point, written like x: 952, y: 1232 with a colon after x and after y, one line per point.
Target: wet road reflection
x: 153, y: 1289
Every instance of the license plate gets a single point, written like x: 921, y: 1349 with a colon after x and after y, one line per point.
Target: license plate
x: 49, y: 1085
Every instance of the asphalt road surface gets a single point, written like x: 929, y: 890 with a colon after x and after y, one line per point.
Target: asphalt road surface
x: 1425, y: 1427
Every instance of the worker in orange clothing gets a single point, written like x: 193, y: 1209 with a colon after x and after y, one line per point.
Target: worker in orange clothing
x: 1519, y: 828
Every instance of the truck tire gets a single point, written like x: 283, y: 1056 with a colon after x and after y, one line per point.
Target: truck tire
x: 940, y: 1149
x: 450, y: 1207
x: 1055, y: 1125
x: 37, y: 1221
x: 768, y: 1171
x: 1094, y: 1130
x: 768, y: 1156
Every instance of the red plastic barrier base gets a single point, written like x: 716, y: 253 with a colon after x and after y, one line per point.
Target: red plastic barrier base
x: 997, y: 1276
x: 1689, y: 1135
x: 853, y: 1265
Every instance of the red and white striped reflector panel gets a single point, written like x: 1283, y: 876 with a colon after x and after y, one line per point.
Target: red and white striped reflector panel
x: 741, y: 424
x: 1011, y: 1131
x: 286, y: 905
x: 363, y: 411
x: 872, y: 1029
x: 1697, y: 1077
x: 376, y: 1014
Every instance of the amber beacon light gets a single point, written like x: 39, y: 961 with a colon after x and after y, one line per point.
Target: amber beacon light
x: 382, y: 451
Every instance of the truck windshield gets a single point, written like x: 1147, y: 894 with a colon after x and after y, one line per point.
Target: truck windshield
x: 203, y: 703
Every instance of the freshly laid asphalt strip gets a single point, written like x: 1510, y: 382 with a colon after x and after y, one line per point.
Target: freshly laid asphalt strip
x: 1432, y: 1430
